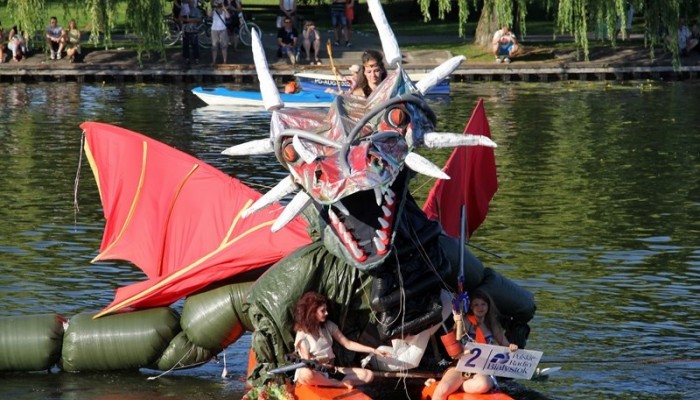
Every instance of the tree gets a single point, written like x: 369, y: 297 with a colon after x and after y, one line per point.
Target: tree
x: 577, y: 18
x: 144, y: 19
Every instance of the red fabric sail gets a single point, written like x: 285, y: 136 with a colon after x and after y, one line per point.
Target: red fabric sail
x: 473, y: 181
x: 177, y: 218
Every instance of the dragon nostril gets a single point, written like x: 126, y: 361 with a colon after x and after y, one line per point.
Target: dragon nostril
x: 290, y: 154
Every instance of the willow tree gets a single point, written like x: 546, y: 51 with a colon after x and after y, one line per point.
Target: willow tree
x: 575, y: 17
x: 144, y: 18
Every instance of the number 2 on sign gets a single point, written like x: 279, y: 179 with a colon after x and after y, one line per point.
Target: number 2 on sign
x: 476, y: 353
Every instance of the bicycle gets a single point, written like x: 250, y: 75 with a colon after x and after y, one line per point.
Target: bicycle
x: 244, y: 34
x: 173, y: 31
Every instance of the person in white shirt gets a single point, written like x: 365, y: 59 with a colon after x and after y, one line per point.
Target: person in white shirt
x: 54, y: 39
x: 219, y: 34
x: 505, y: 45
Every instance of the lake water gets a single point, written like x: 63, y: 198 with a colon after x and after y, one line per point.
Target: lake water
x: 597, y: 213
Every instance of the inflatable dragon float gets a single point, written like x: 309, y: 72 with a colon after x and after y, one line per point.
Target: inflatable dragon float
x: 240, y: 259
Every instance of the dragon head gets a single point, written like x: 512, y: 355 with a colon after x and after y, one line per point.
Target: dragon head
x: 351, y: 161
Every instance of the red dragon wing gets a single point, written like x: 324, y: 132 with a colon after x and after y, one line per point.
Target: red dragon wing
x: 473, y: 181
x: 177, y: 218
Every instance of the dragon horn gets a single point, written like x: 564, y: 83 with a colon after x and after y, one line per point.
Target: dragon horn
x: 268, y: 89
x: 297, y: 205
x: 260, y: 146
x: 421, y: 165
x: 392, y: 54
x: 283, y: 188
x: 434, y: 140
x: 438, y: 74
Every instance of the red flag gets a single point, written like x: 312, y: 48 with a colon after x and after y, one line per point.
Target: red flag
x: 177, y: 218
x: 473, y: 181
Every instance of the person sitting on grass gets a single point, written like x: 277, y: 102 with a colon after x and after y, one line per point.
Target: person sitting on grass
x: 287, y: 39
x: 17, y: 45
x: 312, y: 40
x: 54, y: 39
x: 72, y: 40
x: 505, y: 45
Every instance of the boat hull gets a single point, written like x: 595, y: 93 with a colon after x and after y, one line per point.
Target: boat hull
x: 427, y: 394
x: 314, y: 82
x: 225, y: 97
x: 307, y: 392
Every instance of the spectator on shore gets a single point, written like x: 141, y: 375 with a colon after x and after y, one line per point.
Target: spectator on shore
x: 683, y: 36
x: 54, y: 38
x: 288, y: 9
x: 288, y: 41
x: 17, y: 45
x: 693, y: 39
x: 311, y: 40
x: 235, y: 8
x: 190, y: 18
x: 72, y: 40
x: 219, y: 33
x: 504, y: 44
x: 349, y: 16
x: 371, y: 74
x: 339, y: 22
x: 3, y: 43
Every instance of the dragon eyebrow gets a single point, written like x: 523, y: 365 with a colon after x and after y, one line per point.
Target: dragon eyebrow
x: 406, y: 98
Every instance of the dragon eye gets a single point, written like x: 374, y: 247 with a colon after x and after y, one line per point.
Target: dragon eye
x: 290, y: 154
x: 397, y: 117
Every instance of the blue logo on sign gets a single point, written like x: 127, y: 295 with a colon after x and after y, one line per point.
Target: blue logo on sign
x: 500, y: 358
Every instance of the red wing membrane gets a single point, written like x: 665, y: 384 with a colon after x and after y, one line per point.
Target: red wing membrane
x: 177, y: 218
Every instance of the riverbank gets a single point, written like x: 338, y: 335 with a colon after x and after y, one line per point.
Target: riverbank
x: 542, y: 60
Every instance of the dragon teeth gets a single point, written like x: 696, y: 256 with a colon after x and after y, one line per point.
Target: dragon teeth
x: 383, y: 223
x: 381, y: 235
x: 386, y: 211
x: 381, y: 247
x: 378, y: 196
x: 340, y: 206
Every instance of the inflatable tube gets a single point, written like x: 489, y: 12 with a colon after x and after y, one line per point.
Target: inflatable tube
x: 473, y: 268
x: 213, y: 319
x: 129, y: 340
x: 30, y: 343
x: 512, y: 300
x: 182, y: 353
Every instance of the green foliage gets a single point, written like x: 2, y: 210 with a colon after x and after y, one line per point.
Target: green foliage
x: 146, y: 21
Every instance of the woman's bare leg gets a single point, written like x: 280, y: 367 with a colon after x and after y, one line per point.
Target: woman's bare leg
x: 450, y: 383
x: 478, y: 384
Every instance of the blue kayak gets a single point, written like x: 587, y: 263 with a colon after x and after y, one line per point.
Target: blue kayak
x: 225, y: 97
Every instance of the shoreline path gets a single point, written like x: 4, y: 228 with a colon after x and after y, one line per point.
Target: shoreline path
x: 538, y: 63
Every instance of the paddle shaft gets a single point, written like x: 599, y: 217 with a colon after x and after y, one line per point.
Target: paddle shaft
x: 329, y: 49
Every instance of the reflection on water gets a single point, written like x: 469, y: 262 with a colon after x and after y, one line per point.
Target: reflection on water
x: 597, y: 213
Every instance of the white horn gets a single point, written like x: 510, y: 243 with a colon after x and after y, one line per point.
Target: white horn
x: 421, y: 165
x: 268, y: 89
x: 392, y: 54
x: 434, y: 140
x: 260, y: 146
x: 304, y: 152
x: 283, y: 188
x: 438, y: 74
x: 297, y: 205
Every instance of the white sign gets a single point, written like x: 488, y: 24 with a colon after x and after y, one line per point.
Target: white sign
x: 498, y: 361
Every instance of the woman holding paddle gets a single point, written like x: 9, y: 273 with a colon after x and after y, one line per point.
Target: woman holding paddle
x: 482, y: 326
x: 314, y: 341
